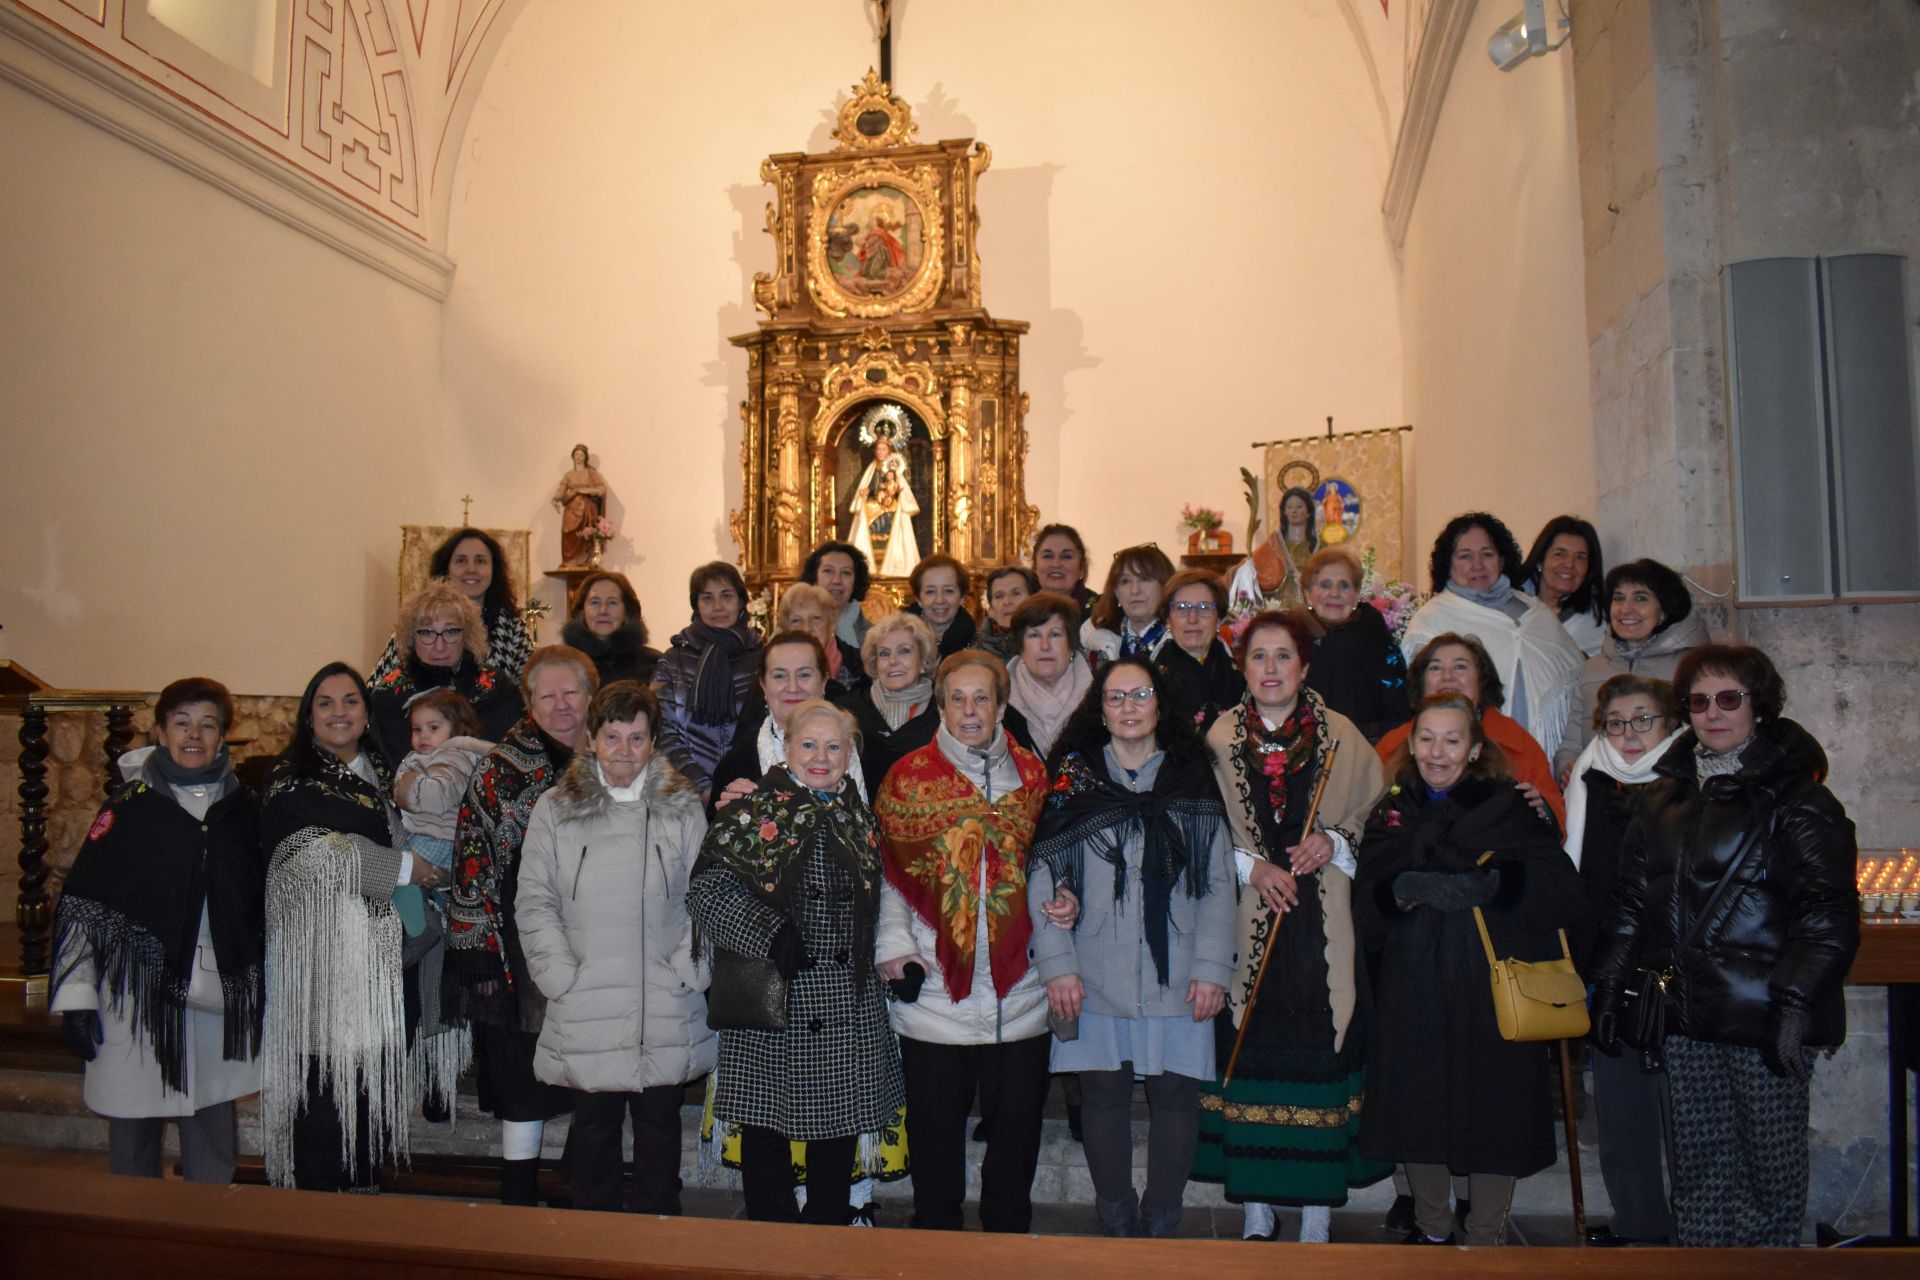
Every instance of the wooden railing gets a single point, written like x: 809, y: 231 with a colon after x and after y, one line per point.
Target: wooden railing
x: 26, y: 695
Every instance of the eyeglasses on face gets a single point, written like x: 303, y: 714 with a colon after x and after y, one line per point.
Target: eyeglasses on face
x: 1118, y: 697
x: 426, y: 635
x: 1639, y: 724
x: 1194, y: 608
x: 1726, y: 700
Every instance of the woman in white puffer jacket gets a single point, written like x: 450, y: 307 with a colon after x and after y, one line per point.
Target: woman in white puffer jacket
x: 956, y: 819
x: 602, y: 909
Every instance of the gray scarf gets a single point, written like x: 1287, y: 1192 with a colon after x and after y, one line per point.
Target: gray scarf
x: 162, y: 768
x: 898, y: 708
x: 990, y: 768
x: 1499, y: 596
x: 1714, y: 764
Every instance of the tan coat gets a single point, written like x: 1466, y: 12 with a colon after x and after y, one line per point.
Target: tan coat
x: 1355, y: 787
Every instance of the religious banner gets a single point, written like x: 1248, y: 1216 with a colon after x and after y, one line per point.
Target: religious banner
x: 1343, y: 489
x: 418, y: 542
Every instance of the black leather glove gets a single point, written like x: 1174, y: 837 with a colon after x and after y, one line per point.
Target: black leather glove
x: 81, y: 1030
x: 906, y: 988
x: 1447, y: 891
x: 788, y: 950
x: 1603, y: 1010
x: 1788, y: 1022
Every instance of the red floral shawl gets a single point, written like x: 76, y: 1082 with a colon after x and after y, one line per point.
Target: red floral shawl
x: 936, y: 830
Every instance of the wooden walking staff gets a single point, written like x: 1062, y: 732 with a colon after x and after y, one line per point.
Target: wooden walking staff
x: 1565, y: 1050
x: 1260, y: 974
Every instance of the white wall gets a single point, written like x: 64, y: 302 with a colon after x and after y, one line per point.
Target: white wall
x: 1187, y: 211
x: 1493, y: 302
x: 212, y: 424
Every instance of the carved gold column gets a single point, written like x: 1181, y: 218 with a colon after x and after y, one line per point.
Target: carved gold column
x: 788, y: 500
x: 959, y: 464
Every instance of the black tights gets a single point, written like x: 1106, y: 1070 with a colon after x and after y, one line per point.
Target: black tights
x: 1106, y: 1119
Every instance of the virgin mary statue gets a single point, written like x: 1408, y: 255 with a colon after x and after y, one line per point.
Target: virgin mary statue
x: 883, y: 504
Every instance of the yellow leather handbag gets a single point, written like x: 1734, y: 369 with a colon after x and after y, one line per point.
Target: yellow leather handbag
x: 1536, y: 999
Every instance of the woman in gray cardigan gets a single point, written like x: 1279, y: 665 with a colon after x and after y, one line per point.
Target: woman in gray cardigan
x: 1134, y: 825
x: 602, y: 905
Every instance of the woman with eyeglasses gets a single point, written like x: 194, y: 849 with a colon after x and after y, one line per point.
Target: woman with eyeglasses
x: 1736, y: 883
x: 1357, y: 667
x: 1135, y: 828
x: 1198, y: 665
x: 477, y: 566
x: 447, y: 649
x: 1651, y: 624
x: 1637, y: 722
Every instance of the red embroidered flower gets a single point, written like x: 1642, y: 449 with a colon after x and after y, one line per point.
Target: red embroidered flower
x: 392, y: 677
x: 472, y: 867
x: 1393, y: 817
x: 768, y: 830
x: 485, y: 681
x: 101, y: 825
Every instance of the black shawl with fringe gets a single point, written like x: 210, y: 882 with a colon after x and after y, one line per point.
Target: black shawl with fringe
x: 1090, y: 812
x: 132, y: 905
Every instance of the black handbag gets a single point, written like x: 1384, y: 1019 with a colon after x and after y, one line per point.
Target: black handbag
x: 748, y: 993
x: 1645, y: 1000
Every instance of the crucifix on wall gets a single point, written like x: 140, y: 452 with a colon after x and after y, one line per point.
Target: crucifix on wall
x: 883, y: 24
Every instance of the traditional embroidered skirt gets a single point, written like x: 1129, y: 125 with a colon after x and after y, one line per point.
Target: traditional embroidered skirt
x: 1284, y: 1141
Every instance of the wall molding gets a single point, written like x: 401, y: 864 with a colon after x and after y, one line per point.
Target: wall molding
x: 52, y: 66
x: 1440, y: 43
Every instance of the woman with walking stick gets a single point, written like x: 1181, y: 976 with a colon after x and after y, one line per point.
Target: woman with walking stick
x: 1281, y: 1123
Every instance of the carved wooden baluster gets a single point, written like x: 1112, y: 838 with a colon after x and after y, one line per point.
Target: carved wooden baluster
x: 31, y: 909
x: 119, y: 738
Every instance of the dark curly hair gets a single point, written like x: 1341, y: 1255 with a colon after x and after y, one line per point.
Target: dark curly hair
x: 1440, y: 565
x: 499, y: 598
x: 1587, y: 598
x: 862, y: 572
x: 1741, y: 662
x: 1086, y: 729
x: 1668, y: 587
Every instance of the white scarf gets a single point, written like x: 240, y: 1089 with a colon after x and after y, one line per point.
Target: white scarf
x: 991, y: 771
x: 1601, y: 754
x: 1047, y: 709
x: 1535, y: 643
x: 772, y: 746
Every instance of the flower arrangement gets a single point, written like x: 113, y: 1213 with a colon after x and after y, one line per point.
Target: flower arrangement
x: 602, y: 533
x: 760, y: 612
x: 1201, y: 519
x: 1394, y: 601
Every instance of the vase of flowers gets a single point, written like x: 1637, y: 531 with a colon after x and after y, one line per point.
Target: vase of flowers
x: 1207, y: 535
x: 599, y: 535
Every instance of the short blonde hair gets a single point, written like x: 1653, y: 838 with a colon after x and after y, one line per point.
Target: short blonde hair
x: 1331, y: 555
x: 548, y: 655
x: 440, y: 596
x: 804, y: 593
x: 913, y: 625
x: 821, y: 709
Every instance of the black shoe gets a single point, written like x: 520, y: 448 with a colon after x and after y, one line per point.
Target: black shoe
x: 1417, y: 1236
x: 1461, y: 1208
x: 435, y: 1109
x: 1602, y: 1237
x: 861, y: 1217
x: 520, y: 1182
x: 1400, y: 1217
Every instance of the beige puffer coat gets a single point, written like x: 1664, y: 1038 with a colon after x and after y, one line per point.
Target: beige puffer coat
x: 602, y: 908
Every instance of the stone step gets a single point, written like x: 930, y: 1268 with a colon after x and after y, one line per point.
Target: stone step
x: 45, y: 1110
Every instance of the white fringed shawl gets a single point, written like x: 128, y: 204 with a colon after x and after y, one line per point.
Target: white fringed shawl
x: 1535, y: 643
x: 333, y: 996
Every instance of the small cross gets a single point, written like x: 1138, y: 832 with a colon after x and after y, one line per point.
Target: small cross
x: 466, y: 505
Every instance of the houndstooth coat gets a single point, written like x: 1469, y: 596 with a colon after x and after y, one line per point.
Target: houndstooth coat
x: 835, y: 1070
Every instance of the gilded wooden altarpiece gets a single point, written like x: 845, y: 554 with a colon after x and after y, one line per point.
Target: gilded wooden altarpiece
x: 875, y: 301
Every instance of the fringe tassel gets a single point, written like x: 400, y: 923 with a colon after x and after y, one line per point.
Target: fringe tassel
x: 130, y: 968
x: 333, y: 999
x: 436, y: 1065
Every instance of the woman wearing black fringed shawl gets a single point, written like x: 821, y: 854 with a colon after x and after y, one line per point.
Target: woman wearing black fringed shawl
x: 1135, y: 827
x: 792, y: 873
x: 157, y: 944
x: 337, y: 1086
x: 1286, y: 1128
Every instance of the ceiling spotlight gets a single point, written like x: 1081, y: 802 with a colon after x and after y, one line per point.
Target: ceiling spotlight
x: 1526, y: 35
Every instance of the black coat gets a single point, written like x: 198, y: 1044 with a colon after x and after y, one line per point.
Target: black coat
x: 1789, y: 923
x: 1358, y: 669
x: 960, y: 632
x: 1611, y: 805
x: 624, y: 655
x: 1442, y: 1086
x: 1201, y: 689
x: 494, y: 696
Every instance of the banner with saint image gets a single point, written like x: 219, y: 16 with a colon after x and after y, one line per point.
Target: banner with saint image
x: 1343, y: 490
